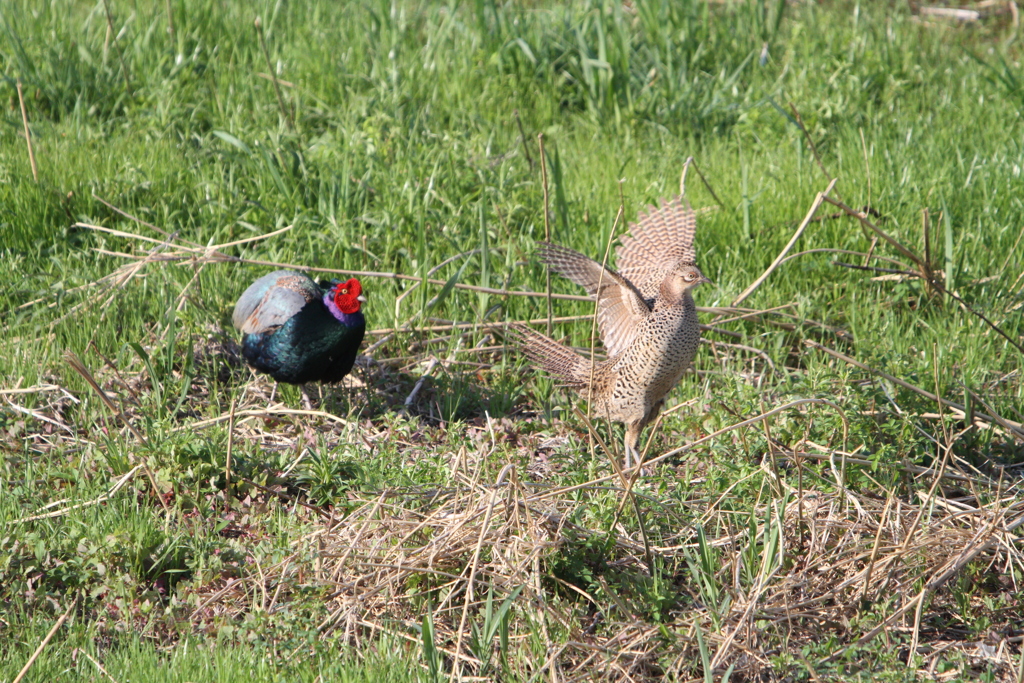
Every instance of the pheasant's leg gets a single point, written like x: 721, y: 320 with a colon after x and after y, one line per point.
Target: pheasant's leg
x: 648, y: 419
x: 273, y: 392
x: 307, y: 404
x: 630, y: 442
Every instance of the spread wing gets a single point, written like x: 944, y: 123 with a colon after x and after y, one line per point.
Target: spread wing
x: 272, y: 300
x: 660, y: 239
x: 620, y: 306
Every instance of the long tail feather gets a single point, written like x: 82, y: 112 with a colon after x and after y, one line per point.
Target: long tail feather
x: 556, y: 359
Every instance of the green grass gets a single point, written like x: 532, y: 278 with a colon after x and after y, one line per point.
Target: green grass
x: 405, y: 152
x: 218, y: 657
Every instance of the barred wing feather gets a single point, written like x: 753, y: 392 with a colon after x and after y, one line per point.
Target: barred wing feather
x: 620, y: 305
x: 660, y: 239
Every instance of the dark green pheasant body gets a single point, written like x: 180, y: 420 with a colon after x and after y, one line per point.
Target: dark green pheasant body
x: 297, y: 330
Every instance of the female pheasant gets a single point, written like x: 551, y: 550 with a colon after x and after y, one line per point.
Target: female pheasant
x: 645, y: 314
x: 297, y: 330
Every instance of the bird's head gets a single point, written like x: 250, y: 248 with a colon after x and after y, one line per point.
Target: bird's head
x: 348, y: 296
x: 683, y: 277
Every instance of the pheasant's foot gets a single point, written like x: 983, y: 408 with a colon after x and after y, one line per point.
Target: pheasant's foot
x: 632, y: 459
x: 645, y: 470
x: 306, y: 403
x: 630, y: 455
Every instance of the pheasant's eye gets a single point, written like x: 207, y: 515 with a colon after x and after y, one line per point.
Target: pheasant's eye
x: 344, y: 291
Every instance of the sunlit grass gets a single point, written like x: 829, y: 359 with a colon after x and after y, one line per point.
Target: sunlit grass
x: 406, y: 154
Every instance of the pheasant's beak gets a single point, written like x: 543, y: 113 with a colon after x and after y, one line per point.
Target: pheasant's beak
x: 705, y: 280
x: 361, y: 298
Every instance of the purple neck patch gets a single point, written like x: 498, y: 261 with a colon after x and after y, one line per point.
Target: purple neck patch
x: 343, y: 318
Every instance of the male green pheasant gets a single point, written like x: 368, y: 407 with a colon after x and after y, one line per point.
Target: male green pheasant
x: 297, y: 330
x: 645, y: 314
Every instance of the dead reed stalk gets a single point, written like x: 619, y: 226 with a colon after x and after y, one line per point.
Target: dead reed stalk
x: 28, y: 134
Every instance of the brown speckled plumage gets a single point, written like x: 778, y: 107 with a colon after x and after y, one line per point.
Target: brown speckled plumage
x: 646, y: 316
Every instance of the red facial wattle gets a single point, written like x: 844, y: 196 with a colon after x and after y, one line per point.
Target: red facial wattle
x: 346, y: 296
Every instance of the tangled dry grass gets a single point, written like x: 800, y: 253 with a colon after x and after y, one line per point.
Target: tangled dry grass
x: 813, y: 566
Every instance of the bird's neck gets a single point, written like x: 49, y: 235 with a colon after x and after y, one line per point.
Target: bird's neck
x: 348, y: 319
x: 672, y: 296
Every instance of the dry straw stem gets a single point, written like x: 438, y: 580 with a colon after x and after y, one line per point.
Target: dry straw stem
x: 170, y: 19
x: 810, y: 143
x: 268, y: 412
x: 46, y: 641
x: 280, y: 81
x: 90, y: 657
x: 80, y: 368
x: 690, y: 161
x: 822, y: 196
x: 867, y: 162
x: 627, y: 485
x: 452, y: 326
x: 40, y: 416
x: 547, y: 227
x: 474, y: 564
x: 135, y: 219
x: 28, y: 134
x: 924, y: 269
x: 860, y: 216
x: 947, y: 452
x: 522, y: 137
x: 120, y: 277
x: 116, y: 281
x: 199, y: 255
x: 410, y: 323
x: 705, y: 439
x: 227, y: 457
x: 39, y: 388
x: 117, y: 46
x: 287, y: 497
x: 593, y: 321
x: 1015, y: 429
x: 829, y: 250
x: 411, y: 398
x: 439, y: 266
x: 125, y: 478
x: 289, y: 117
x: 851, y: 459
